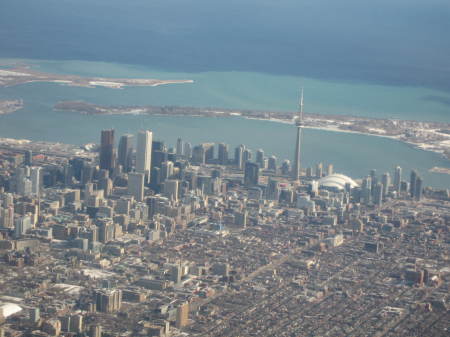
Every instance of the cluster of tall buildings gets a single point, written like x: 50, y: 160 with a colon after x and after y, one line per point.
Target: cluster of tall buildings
x: 150, y: 163
x: 375, y: 189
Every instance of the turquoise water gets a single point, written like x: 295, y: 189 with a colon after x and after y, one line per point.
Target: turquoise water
x: 351, y: 154
x: 247, y: 90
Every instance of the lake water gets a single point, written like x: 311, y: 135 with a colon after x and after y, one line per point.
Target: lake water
x: 351, y: 154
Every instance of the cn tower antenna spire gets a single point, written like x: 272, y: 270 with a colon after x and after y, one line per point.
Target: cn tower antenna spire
x: 299, y: 126
x: 299, y: 119
x: 301, y: 106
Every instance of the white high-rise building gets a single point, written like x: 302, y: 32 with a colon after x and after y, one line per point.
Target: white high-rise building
x: 144, y: 153
x: 36, y: 178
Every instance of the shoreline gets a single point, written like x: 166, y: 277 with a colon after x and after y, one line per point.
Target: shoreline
x: 432, y: 137
x: 421, y: 146
x: 23, y: 74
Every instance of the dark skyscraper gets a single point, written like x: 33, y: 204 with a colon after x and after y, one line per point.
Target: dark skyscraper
x: 209, y: 152
x: 272, y: 163
x: 107, y: 150
x: 180, y: 147
x: 260, y: 157
x: 125, y: 152
x: 223, y: 154
x: 77, y: 165
x: 29, y: 158
x: 378, y: 194
x: 412, y: 183
x: 251, y: 174
x: 418, y: 189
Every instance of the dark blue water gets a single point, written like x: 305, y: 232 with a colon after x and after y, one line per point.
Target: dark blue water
x: 400, y: 42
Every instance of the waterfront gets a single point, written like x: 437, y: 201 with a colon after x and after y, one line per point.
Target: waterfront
x: 352, y: 154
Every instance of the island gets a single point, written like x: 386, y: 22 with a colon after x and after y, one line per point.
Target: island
x: 429, y: 136
x: 10, y: 106
x: 443, y: 170
x: 23, y: 74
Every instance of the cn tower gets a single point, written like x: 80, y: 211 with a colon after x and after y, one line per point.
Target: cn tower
x: 299, y: 125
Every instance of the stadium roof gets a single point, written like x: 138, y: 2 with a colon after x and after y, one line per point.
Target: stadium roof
x: 336, y: 181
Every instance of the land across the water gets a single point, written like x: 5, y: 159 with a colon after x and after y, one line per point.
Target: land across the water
x: 23, y: 74
x: 10, y: 106
x: 430, y: 136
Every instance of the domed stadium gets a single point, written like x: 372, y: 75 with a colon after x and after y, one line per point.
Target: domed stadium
x: 336, y: 182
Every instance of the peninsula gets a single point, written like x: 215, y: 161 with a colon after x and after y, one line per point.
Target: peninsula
x: 23, y: 74
x: 10, y: 106
x: 430, y: 136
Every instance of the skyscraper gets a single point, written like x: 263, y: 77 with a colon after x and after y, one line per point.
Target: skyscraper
x: 28, y: 158
x: 418, y: 189
x: 386, y: 181
x: 373, y: 178
x: 125, y: 152
x: 272, y: 163
x: 286, y: 167
x: 239, y: 156
x: 260, y: 158
x: 108, y: 300
x: 166, y: 170
x: 247, y: 155
x: 299, y: 125
x: 330, y: 169
x: 36, y: 178
x: 378, y: 194
x: 412, y: 183
x: 209, y: 152
x: 182, y: 315
x: 107, y: 150
x: 180, y: 147
x: 136, y: 185
x: 251, y: 174
x: 397, y: 179
x: 175, y: 273
x: 144, y: 153
x: 223, y: 154
x: 273, y: 189
x: 366, y: 190
x: 198, y: 154
x: 187, y: 150
x: 319, y: 170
